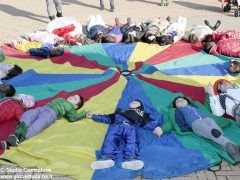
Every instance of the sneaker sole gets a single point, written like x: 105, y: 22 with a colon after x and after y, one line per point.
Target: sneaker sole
x: 3, y: 145
x: 133, y: 165
x: 102, y: 164
x: 13, y: 140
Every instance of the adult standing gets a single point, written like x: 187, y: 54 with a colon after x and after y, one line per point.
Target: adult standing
x: 111, y: 5
x: 58, y: 6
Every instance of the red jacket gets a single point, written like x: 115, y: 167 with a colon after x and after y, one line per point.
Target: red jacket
x: 10, y: 110
x: 231, y: 34
x: 227, y: 47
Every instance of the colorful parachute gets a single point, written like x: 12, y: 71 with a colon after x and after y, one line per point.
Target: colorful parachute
x: 109, y: 76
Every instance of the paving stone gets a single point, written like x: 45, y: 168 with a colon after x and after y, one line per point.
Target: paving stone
x: 210, y: 175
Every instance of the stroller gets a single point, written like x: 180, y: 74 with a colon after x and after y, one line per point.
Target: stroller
x: 229, y: 4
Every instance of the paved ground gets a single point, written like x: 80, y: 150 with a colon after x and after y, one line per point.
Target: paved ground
x: 18, y: 17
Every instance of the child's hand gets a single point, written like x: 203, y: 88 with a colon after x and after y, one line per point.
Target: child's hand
x: 209, y: 89
x: 89, y: 115
x: 158, y: 131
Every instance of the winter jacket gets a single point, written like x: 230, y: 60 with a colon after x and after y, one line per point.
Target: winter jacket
x: 63, y: 108
x: 120, y: 119
x: 191, y: 114
x: 227, y: 47
x: 43, y: 51
x: 96, y: 29
x: 10, y: 110
x: 231, y: 34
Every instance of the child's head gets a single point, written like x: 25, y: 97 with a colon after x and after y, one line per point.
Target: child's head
x: 2, y: 56
x: 105, y: 38
x: 7, y: 90
x: 13, y: 70
x: 164, y: 40
x: 180, y: 102
x: 235, y: 66
x: 57, y: 51
x: 136, y: 104
x: 76, y: 101
x: 221, y: 86
x: 208, y: 46
x: 193, y: 38
x: 28, y: 101
x: 208, y: 38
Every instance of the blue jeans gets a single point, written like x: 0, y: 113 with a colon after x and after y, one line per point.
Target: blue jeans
x: 111, y: 4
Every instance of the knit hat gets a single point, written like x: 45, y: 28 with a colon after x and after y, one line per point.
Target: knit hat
x: 215, y: 86
x: 27, y: 100
x: 2, y: 56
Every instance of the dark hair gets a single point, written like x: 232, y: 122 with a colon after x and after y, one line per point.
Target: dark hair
x: 164, y: 40
x: 81, y: 103
x: 141, y: 107
x: 16, y: 70
x: 130, y: 38
x: 8, y: 90
x: 105, y: 38
x: 174, y: 101
x: 193, y: 38
x: 234, y: 64
x: 57, y: 51
x: 208, y: 38
x: 207, y: 47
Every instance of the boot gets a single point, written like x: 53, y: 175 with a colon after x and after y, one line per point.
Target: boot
x: 59, y: 14
x: 218, y: 23
x: 234, y: 151
x: 51, y: 18
x: 13, y: 139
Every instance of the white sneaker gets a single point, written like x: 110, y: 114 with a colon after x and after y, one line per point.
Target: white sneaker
x: 133, y: 165
x: 102, y: 164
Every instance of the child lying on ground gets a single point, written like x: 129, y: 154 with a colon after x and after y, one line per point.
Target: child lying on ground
x: 47, y: 50
x: 36, y: 120
x: 227, y: 47
x: 123, y: 127
x: 98, y: 31
x: 8, y: 70
x: 194, y: 119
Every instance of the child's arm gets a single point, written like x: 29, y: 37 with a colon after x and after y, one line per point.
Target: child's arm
x: 154, y: 125
x: 74, y: 116
x: 215, y: 104
x: 108, y: 119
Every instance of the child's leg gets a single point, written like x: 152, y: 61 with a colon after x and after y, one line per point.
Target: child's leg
x: 50, y: 8
x: 207, y: 128
x: 44, y: 120
x: 99, y: 20
x: 58, y: 5
x: 101, y: 4
x: 91, y: 22
x: 131, y: 150
x: 112, y: 4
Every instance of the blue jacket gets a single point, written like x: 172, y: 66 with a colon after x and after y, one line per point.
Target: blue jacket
x: 191, y: 114
x: 96, y: 30
x: 119, y: 119
x: 43, y: 51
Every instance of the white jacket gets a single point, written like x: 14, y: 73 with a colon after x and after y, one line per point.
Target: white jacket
x: 215, y: 104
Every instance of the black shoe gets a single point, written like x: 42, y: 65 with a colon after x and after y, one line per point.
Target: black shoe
x: 5, y: 145
x: 59, y: 14
x: 102, y: 8
x: 13, y: 140
x: 218, y: 23
x: 234, y: 151
x: 208, y: 24
x: 166, y: 4
x: 112, y: 9
x: 51, y: 18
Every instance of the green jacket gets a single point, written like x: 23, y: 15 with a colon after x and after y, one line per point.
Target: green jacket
x: 63, y: 108
x: 171, y: 125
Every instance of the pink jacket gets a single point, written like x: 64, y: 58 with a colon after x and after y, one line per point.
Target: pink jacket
x: 231, y: 34
x: 227, y: 47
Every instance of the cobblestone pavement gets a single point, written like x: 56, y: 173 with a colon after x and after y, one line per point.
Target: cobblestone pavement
x: 18, y: 17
